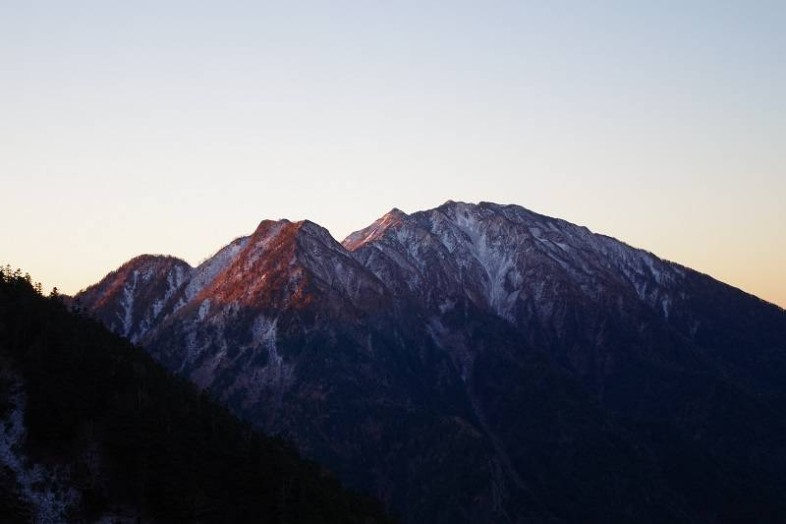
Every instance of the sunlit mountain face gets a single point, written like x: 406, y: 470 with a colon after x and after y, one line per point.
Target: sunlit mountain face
x: 482, y: 363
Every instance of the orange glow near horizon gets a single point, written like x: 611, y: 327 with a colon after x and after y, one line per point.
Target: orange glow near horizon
x: 135, y: 129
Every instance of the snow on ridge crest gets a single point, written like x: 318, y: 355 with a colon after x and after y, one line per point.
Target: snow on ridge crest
x: 208, y: 270
x: 487, y: 252
x: 375, y: 231
x: 493, y: 248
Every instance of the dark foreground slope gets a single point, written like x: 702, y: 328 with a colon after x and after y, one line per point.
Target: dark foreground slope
x: 482, y: 363
x: 91, y: 428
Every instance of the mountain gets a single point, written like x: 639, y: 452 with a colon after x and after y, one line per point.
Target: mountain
x: 92, y: 430
x: 482, y: 363
x: 133, y: 297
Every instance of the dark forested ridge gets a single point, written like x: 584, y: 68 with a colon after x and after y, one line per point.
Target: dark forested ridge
x: 109, y: 434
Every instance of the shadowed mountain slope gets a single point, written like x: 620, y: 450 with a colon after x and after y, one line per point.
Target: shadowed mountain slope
x: 484, y: 363
x: 92, y: 430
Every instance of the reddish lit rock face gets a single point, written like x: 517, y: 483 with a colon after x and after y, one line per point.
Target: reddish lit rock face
x: 281, y: 265
x: 264, y: 273
x: 481, y: 363
x: 135, y: 297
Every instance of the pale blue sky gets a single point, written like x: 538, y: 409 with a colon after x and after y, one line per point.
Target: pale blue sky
x: 173, y: 127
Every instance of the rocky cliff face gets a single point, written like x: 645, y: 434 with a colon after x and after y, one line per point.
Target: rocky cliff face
x: 135, y: 297
x: 482, y: 363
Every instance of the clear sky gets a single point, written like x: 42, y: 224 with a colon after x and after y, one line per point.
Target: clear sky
x: 175, y: 126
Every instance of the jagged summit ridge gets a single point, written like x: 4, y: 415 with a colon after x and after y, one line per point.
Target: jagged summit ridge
x: 390, y: 219
x: 494, y: 254
x: 504, y: 258
x: 490, y: 350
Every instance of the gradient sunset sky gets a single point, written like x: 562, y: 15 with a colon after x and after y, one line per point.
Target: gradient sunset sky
x: 174, y: 127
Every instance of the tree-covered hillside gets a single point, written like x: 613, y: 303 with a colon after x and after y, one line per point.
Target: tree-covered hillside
x: 102, y: 432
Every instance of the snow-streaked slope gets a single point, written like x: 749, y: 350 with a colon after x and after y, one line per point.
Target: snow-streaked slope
x: 207, y: 271
x: 504, y: 257
x: 228, y: 314
x: 490, y: 350
x: 138, y: 295
x: 47, y: 490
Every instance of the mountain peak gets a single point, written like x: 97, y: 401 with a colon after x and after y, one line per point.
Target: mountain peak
x: 314, y: 230
x: 284, y: 226
x: 267, y: 225
x: 130, y: 298
x: 152, y: 260
x: 393, y: 218
x: 453, y: 206
x: 459, y: 340
x: 395, y: 213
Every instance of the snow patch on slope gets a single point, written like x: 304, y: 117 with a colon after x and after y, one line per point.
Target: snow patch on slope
x: 175, y: 279
x: 498, y: 261
x: 277, y: 374
x: 204, y: 308
x: 274, y: 376
x: 44, y: 488
x: 127, y: 304
x: 454, y: 345
x: 211, y: 268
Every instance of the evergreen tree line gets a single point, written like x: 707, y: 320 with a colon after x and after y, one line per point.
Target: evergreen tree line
x: 139, y: 439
